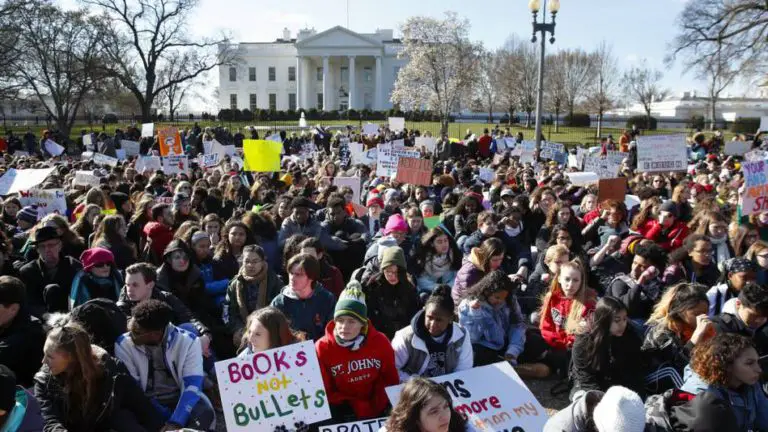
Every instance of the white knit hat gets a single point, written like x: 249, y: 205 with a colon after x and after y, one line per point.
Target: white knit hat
x: 620, y: 410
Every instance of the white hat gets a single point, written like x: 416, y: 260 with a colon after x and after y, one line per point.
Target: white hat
x: 620, y: 410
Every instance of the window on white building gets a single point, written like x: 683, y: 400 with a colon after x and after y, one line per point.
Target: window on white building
x: 251, y: 74
x: 367, y: 100
x: 367, y: 74
x: 233, y: 101
x: 344, y: 72
x: 320, y: 101
x: 319, y: 73
x: 291, y: 73
x: 252, y: 102
x: 273, y: 101
x: 396, y: 72
x: 233, y: 74
x: 272, y: 73
x: 292, y: 101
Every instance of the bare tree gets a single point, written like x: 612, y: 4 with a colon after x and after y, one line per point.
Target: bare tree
x: 643, y: 85
x: 486, y: 85
x: 10, y: 44
x: 578, y: 74
x: 719, y: 73
x: 601, y: 95
x: 442, y: 64
x: 554, y: 85
x: 174, y: 94
x: 145, y: 35
x: 517, y: 72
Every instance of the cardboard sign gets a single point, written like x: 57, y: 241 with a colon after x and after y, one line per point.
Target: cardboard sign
x: 492, y: 398
x: 583, y: 178
x: 103, y: 159
x: 763, y: 124
x: 262, y: 155
x: 602, y: 166
x: 360, y: 156
x: 372, y: 425
x: 615, y: 188
x: 370, y: 129
x: 278, y: 387
x: 662, y: 153
x: 120, y: 153
x: 487, y: 174
x: 176, y: 165
x: 170, y: 142
x: 352, y: 182
x: 15, y: 180
x: 432, y: 221
x: 427, y: 143
x: 53, y: 148
x: 525, y: 150
x: 553, y: 151
x: 132, y: 148
x: 737, y: 148
x: 396, y: 124
x: 344, y: 154
x: 147, y: 130
x: 210, y: 160
x: 414, y: 171
x: 48, y: 201
x: 388, y: 157
x: 88, y: 142
x: 755, y: 197
x: 86, y: 178
x: 148, y: 163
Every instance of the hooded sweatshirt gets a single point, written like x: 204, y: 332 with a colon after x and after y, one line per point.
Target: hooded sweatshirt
x: 308, y: 315
x: 553, y: 321
x: 358, y: 377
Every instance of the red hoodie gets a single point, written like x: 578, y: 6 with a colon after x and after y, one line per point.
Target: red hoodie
x: 160, y: 235
x: 652, y: 230
x: 553, y: 321
x: 358, y: 377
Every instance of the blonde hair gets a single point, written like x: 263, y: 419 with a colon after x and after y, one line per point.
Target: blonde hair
x: 755, y: 249
x: 555, y: 251
x: 667, y: 314
x: 573, y: 324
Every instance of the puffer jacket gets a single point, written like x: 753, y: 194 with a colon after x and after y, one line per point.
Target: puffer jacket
x: 669, y: 239
x: 576, y: 416
x: 676, y: 410
x: 390, y: 307
x: 470, y: 272
x: 493, y: 327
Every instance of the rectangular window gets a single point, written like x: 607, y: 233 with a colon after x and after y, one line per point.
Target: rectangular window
x: 233, y: 101
x: 251, y: 74
x: 233, y: 74
x: 273, y: 101
x: 320, y: 101
x: 320, y: 74
x: 367, y: 100
x: 344, y: 74
x: 367, y: 74
x: 292, y: 101
x: 291, y: 73
x: 252, y: 103
x: 396, y: 72
x: 272, y: 73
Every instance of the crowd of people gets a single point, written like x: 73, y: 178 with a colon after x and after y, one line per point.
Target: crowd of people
x: 651, y: 317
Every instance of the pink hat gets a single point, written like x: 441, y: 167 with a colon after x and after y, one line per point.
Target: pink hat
x: 95, y: 256
x: 395, y: 223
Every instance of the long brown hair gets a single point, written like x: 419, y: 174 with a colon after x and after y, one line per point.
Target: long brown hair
x: 415, y: 395
x: 109, y: 231
x: 276, y: 323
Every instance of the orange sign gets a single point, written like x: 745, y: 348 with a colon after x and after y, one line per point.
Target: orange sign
x: 170, y: 142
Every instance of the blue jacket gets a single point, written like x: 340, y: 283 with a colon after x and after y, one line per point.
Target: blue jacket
x: 217, y: 289
x: 307, y: 315
x: 80, y: 293
x: 494, y: 327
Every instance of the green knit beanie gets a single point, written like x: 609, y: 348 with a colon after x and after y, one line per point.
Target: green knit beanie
x: 352, y: 302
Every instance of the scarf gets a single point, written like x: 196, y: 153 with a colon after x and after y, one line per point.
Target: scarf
x: 355, y: 343
x: 721, y: 249
x: 438, y: 265
x: 260, y: 280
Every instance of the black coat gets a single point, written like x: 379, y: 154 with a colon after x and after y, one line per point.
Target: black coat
x: 34, y: 277
x: 21, y: 346
x: 390, y: 308
x: 181, y: 313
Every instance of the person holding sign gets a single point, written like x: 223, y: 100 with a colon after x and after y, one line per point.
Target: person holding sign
x: 425, y: 406
x: 356, y: 360
x: 266, y: 329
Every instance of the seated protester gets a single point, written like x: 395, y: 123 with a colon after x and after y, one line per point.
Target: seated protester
x: 758, y: 254
x: 158, y: 232
x: 81, y: 388
x: 342, y: 236
x: 110, y: 235
x: 375, y: 219
x: 50, y: 276
x: 611, y: 222
x: 26, y: 220
x: 21, y: 334
x: 103, y: 320
x: 200, y: 243
x: 426, y: 406
x: 416, y: 230
x: 714, y: 225
x: 679, y: 321
x: 542, y: 277
x: 299, y: 222
x: 487, y: 227
x: 433, y: 344
x: 264, y: 231
x: 306, y: 303
x: 438, y: 260
x: 642, y: 287
x: 99, y: 278
x: 266, y: 329
x: 455, y: 219
x: 492, y: 317
x: 72, y: 244
x: 351, y: 339
x: 565, y: 311
x: 560, y: 214
x: 608, y: 352
x: 391, y: 296
x: 727, y: 365
x: 486, y: 258
x: 617, y: 410
x: 330, y: 275
x: 167, y: 363
x: 394, y: 234
x: 182, y: 210
x: 669, y: 231
x: 516, y: 243
x: 253, y: 288
x: 19, y: 409
x: 692, y: 263
x: 229, y: 252
x: 737, y: 272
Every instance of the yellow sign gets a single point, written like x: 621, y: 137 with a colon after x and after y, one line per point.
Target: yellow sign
x: 262, y: 155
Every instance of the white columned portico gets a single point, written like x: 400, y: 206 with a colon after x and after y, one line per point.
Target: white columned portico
x: 326, y: 84
x: 379, y: 99
x: 300, y: 84
x: 352, y: 83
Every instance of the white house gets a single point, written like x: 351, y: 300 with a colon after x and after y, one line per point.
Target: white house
x: 336, y: 69
x: 688, y: 104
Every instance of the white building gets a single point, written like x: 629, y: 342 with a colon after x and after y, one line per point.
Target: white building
x: 336, y: 69
x: 688, y: 104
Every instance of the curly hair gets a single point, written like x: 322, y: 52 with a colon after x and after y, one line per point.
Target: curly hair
x: 712, y: 359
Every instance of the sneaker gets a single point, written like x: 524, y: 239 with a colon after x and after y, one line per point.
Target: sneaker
x: 533, y: 370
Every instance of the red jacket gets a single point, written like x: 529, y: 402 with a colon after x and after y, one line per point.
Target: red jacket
x: 652, y: 230
x: 484, y: 146
x: 358, y: 377
x: 553, y: 321
x: 160, y: 235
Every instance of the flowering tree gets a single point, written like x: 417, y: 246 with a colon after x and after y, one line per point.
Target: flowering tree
x: 442, y: 65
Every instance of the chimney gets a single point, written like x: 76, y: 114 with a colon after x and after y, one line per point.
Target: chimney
x: 286, y: 34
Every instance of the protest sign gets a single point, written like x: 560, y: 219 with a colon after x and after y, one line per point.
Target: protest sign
x: 414, y: 171
x: 148, y: 163
x: 88, y: 142
x: 427, y: 143
x: 388, y: 156
x: 582, y: 178
x: 262, y: 155
x: 120, y: 153
x: 344, y: 154
x: 273, y: 388
x: 86, y: 178
x: 525, y: 150
x: 492, y: 398
x: 396, y: 124
x: 53, y: 148
x: 210, y: 160
x: 573, y: 162
x: 147, y: 130
x: 176, y: 164
x: 208, y: 147
x: 756, y: 155
x: 764, y: 124
x: 86, y: 156
x: 103, y: 159
x: 755, y: 198
x: 15, y: 180
x: 487, y: 174
x: 372, y: 425
x: 615, y: 189
x: 352, y: 182
x: 553, y: 151
x: 616, y: 156
x: 361, y: 156
x: 308, y: 149
x: 737, y: 148
x: 432, y: 221
x: 170, y: 142
x: 370, y: 129
x: 48, y: 201
x: 662, y: 153
x: 602, y: 166
x: 132, y: 148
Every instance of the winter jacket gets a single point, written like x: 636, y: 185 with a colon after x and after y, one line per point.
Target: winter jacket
x: 748, y: 404
x: 183, y: 357
x: 576, y: 416
x: 621, y: 363
x: 530, y: 296
x: 390, y: 307
x: 669, y: 239
x: 494, y: 328
x: 717, y: 296
x: 86, y: 286
x: 470, y: 272
x: 683, y: 272
x: 224, y: 267
x: 639, y: 299
x: 664, y: 348
x: 21, y: 346
x: 215, y: 288
x: 190, y: 289
x: 35, y: 278
x: 358, y: 378
x: 597, y: 233
x: 307, y: 315
x: 231, y: 310
x: 117, y: 391
x: 677, y: 410
x: 158, y: 235
x: 412, y: 354
x: 331, y: 278
x: 311, y: 229
x: 729, y: 322
x: 348, y: 227
x: 181, y: 313
x: 553, y: 320
x: 518, y: 250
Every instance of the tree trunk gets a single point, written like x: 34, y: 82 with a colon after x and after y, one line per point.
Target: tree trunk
x: 146, y: 112
x: 600, y: 123
x: 443, y: 125
x: 528, y: 119
x: 647, y: 119
x: 557, y: 119
x: 712, y: 113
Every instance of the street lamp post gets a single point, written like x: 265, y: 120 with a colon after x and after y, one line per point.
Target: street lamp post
x: 543, y: 27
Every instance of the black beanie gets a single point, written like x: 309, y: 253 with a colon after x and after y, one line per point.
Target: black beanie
x: 7, y: 388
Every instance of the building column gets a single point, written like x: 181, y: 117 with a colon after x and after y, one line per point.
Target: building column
x: 326, y: 84
x: 379, y: 99
x: 352, y: 83
x: 300, y: 82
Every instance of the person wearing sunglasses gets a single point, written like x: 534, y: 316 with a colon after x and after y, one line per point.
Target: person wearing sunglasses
x: 99, y: 278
